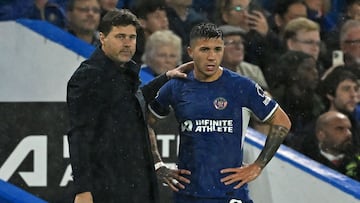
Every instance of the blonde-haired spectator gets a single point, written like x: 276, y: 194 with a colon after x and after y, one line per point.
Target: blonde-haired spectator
x: 163, y: 51
x: 302, y: 34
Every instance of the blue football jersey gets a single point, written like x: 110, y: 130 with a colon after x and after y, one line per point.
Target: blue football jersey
x: 213, y: 118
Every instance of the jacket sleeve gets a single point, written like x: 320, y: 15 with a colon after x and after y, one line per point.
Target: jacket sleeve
x: 83, y: 104
x: 150, y: 90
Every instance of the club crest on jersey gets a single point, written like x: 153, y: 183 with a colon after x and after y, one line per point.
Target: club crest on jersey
x: 220, y: 103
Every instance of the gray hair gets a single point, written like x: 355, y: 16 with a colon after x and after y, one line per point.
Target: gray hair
x: 346, y: 27
x: 158, y: 39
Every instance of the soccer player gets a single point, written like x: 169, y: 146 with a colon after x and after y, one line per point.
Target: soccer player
x: 213, y: 106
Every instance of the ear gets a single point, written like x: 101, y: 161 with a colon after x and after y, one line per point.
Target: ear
x: 290, y: 44
x: 278, y: 21
x: 142, y: 23
x: 225, y: 17
x: 190, y: 52
x: 320, y: 135
x: 101, y: 37
x: 330, y: 97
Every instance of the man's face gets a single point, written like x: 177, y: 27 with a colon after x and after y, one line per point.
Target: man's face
x: 120, y: 44
x: 155, y: 21
x: 164, y: 58
x: 337, y: 135
x: 236, y: 15
x: 295, y: 10
x: 306, y: 41
x: 207, y: 55
x: 108, y: 5
x: 354, y: 11
x: 308, y: 74
x: 233, y: 51
x: 351, y: 44
x: 85, y: 17
x: 346, y: 96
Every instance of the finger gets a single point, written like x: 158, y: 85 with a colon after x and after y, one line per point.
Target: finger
x: 174, y: 181
x: 170, y: 184
x: 229, y: 179
x: 183, y: 179
x: 229, y: 170
x: 241, y: 183
x: 184, y: 171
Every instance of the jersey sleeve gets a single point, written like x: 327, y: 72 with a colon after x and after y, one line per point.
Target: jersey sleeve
x: 160, y: 107
x: 259, y: 103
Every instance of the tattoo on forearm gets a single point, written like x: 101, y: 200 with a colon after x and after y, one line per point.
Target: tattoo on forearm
x: 274, y: 139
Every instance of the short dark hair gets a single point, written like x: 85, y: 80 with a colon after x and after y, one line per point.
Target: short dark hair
x: 71, y: 4
x: 144, y: 7
x: 332, y: 81
x: 205, y: 30
x: 282, y: 6
x: 122, y: 17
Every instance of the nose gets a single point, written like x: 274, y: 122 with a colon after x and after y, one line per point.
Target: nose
x: 211, y: 55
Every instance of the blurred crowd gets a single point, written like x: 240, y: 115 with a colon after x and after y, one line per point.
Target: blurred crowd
x: 304, y: 53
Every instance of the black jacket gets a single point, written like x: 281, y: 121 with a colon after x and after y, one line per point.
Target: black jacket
x: 109, y: 145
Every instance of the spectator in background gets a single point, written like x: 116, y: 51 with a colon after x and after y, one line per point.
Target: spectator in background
x: 205, y: 8
x: 333, y: 137
x: 349, y: 47
x: 162, y: 53
x: 340, y: 92
x: 84, y: 18
x: 350, y: 43
x: 181, y: 19
x: 302, y: 34
x: 284, y: 11
x: 47, y: 11
x: 107, y: 5
x: 332, y: 38
x: 152, y: 17
x: 233, y: 58
x: 250, y: 17
x: 319, y: 11
x: 295, y: 91
x: 353, y: 9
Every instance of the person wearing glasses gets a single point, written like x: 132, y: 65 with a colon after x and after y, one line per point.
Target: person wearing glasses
x: 233, y: 59
x: 300, y: 34
x: 83, y: 19
x: 249, y: 16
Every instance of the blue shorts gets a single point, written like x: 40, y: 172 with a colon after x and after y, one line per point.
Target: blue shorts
x: 190, y: 199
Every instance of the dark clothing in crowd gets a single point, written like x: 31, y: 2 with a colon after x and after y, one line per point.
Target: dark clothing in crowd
x: 53, y: 14
x: 183, y: 28
x: 109, y: 143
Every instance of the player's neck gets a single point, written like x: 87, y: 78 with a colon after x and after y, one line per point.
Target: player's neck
x: 208, y: 78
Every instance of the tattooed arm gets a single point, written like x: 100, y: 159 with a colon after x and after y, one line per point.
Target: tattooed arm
x: 280, y: 125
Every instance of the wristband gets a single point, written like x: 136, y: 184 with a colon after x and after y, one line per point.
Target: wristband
x: 159, y: 165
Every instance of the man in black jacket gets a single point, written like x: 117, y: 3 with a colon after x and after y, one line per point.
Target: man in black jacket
x: 109, y: 143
